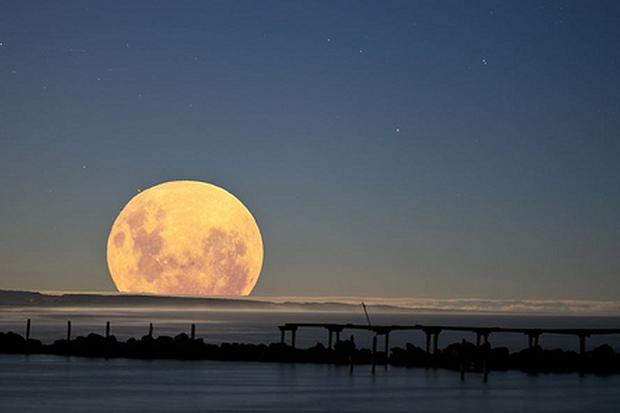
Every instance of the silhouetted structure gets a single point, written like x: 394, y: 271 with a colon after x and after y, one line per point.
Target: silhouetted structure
x: 463, y: 356
x: 432, y: 332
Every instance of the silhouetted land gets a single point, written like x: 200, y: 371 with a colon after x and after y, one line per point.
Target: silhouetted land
x: 37, y: 299
x: 464, y: 356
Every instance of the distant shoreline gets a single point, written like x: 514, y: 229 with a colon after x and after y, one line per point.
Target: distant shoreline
x: 29, y: 299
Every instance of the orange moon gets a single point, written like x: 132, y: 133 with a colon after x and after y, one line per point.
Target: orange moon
x: 185, y: 238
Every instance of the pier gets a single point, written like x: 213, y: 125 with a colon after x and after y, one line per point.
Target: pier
x: 432, y: 333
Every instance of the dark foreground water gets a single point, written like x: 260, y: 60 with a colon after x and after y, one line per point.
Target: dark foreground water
x: 60, y: 384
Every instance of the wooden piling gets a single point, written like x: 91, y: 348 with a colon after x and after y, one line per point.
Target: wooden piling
x: 192, y: 333
x: 351, y: 356
x: 26, y: 346
x: 107, y: 336
x: 281, y: 335
x: 329, y: 340
x: 150, y: 330
x: 293, y: 334
x: 68, y: 348
x: 463, y: 361
x: 436, y: 342
x: 387, y: 349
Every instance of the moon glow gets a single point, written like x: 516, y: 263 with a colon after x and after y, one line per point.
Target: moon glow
x: 186, y: 238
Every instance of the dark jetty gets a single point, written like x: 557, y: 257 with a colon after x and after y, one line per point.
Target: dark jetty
x: 463, y: 356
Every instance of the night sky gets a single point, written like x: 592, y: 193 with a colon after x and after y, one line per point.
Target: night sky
x: 423, y: 149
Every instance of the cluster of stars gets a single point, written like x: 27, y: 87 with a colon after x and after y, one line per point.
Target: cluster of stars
x: 329, y: 40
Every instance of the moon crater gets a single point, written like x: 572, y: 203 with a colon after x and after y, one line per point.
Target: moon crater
x: 185, y: 237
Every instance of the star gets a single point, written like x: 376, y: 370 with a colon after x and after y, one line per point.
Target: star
x: 361, y: 51
x: 83, y: 166
x: 484, y: 61
x: 397, y: 130
x: 1, y: 44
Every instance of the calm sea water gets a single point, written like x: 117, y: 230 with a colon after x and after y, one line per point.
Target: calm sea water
x: 61, y: 384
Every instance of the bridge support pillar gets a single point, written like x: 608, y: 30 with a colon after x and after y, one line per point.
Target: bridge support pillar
x: 387, y: 348
x: 532, y: 341
x: 582, y: 345
x: 374, y: 354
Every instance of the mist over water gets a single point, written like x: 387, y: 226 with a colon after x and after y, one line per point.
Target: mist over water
x: 253, y: 320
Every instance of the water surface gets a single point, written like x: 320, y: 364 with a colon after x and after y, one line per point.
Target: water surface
x: 60, y: 384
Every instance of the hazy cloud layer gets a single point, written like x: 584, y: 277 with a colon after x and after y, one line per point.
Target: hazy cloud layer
x: 297, y: 303
x: 517, y: 306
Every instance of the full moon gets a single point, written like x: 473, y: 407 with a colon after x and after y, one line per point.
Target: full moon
x: 185, y: 238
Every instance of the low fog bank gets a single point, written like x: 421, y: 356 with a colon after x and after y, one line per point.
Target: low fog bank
x: 314, y: 304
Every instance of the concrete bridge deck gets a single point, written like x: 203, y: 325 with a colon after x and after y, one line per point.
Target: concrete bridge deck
x: 432, y: 332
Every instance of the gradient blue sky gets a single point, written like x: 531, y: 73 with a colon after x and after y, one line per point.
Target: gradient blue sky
x: 424, y: 149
